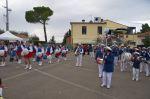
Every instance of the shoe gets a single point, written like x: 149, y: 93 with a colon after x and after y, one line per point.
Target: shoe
x: 133, y: 79
x: 80, y: 65
x: 49, y: 62
x: 26, y: 67
x: 30, y: 67
x: 137, y: 79
x: 108, y: 87
x: 103, y: 85
x: 100, y: 76
x: 40, y: 63
x: 19, y: 61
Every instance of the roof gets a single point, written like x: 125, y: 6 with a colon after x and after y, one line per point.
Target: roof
x: 87, y: 22
x: 9, y: 36
x: 115, y: 22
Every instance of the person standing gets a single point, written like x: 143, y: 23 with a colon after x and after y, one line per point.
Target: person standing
x: 39, y: 54
x: 99, y: 59
x: 79, y: 53
x: 64, y: 51
x: 58, y: 53
x: 4, y: 50
x: 19, y: 48
x: 136, y: 66
x: 91, y: 51
x: 28, y: 57
x: 108, y: 68
x: 49, y: 52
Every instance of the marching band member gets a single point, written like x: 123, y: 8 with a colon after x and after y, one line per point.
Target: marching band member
x: 64, y: 51
x: 115, y: 51
x: 143, y: 63
x: 99, y: 58
x: 91, y: 51
x: 147, y: 67
x: 19, y: 49
x: 28, y: 56
x: 49, y: 52
x: 78, y: 53
x: 108, y: 68
x: 34, y: 47
x: 58, y: 53
x: 1, y: 89
x: 3, y: 53
x: 136, y: 66
x: 39, y: 54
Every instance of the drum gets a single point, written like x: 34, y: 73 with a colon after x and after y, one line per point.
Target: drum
x: 2, y: 52
x: 99, y: 61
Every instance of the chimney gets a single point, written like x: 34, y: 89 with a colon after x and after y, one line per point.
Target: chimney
x: 83, y: 20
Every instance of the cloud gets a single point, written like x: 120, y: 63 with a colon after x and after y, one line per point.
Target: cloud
x: 129, y: 12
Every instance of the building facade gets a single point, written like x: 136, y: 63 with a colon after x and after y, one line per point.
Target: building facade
x: 88, y: 32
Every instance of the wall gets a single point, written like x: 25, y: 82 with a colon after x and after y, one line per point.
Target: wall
x: 91, y: 35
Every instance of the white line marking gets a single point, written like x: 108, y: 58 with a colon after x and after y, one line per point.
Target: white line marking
x: 12, y: 77
x: 74, y: 84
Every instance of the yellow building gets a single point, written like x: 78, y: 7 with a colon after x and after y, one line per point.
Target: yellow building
x: 88, y: 32
x: 133, y: 40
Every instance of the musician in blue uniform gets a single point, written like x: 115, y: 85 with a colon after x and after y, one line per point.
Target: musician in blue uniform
x: 147, y: 65
x: 115, y: 51
x: 143, y: 63
x: 100, y: 55
x: 108, y: 68
x: 136, y: 66
x: 39, y: 54
x: 79, y: 53
x: 49, y: 52
x: 91, y: 51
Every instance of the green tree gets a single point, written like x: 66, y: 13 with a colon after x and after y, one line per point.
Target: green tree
x: 52, y: 40
x: 39, y: 15
x: 146, y: 41
x: 68, y: 34
x: 34, y: 38
x: 145, y: 28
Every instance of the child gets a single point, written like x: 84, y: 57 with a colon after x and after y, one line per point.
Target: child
x: 64, y: 51
x: 28, y: 56
x: 1, y: 89
x: 57, y: 53
x: 136, y: 66
x: 49, y: 52
x: 12, y: 54
x: 39, y: 54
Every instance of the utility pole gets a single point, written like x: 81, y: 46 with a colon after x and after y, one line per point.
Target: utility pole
x: 7, y: 15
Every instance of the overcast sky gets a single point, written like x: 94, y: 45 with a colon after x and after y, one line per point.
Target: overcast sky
x: 128, y: 12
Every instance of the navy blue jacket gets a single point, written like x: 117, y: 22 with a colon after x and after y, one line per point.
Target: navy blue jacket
x: 136, y: 63
x: 115, y: 51
x: 147, y: 56
x: 99, y: 54
x: 109, y: 63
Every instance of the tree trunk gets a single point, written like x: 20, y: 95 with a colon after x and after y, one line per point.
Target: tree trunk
x: 44, y: 26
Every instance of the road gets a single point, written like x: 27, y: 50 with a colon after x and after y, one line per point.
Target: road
x: 65, y: 81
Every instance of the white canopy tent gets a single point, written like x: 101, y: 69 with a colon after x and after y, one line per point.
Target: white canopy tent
x: 9, y: 36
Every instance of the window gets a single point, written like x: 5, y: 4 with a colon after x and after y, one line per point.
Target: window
x: 99, y: 30
x: 83, y: 30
